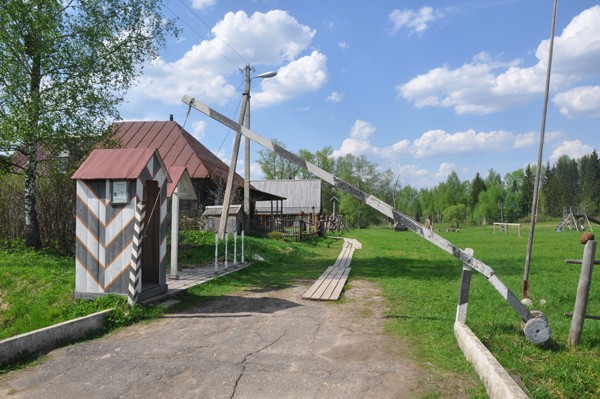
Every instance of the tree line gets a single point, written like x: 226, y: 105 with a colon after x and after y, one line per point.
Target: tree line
x: 566, y: 183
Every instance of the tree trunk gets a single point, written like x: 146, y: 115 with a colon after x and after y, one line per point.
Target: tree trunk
x: 32, y: 226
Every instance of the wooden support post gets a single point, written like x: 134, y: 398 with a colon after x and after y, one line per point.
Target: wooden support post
x: 463, y: 295
x: 583, y: 290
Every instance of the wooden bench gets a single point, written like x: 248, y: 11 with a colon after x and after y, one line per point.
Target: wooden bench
x: 329, y: 286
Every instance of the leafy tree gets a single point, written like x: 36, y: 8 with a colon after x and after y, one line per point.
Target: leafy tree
x: 567, y: 176
x: 455, y: 214
x: 275, y: 166
x: 477, y: 186
x: 65, y: 66
x: 551, y: 191
x: 589, y: 175
x: 527, y: 186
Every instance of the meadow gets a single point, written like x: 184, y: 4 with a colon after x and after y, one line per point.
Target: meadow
x: 420, y: 284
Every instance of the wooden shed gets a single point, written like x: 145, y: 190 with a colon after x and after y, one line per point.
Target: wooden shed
x: 235, y: 218
x: 121, y: 224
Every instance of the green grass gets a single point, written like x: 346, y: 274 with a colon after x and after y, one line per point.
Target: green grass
x: 421, y: 284
x: 419, y: 281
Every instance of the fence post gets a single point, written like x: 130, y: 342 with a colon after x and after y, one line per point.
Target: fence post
x: 226, y: 242
x: 235, y: 249
x: 583, y: 290
x: 217, y: 253
x: 463, y: 295
x: 243, y: 260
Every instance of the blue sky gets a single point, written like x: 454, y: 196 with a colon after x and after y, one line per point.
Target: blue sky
x: 422, y: 88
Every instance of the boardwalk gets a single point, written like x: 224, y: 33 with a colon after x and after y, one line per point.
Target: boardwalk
x: 329, y: 286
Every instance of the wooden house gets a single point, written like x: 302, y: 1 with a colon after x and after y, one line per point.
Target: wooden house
x: 121, y: 216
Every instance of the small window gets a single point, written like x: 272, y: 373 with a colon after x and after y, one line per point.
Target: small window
x: 120, y: 192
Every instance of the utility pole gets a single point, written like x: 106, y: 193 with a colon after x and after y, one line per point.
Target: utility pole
x: 538, y: 172
x: 234, y: 157
x: 247, y: 157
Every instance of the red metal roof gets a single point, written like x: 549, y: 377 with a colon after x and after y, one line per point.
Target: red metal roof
x: 121, y: 163
x: 176, y: 147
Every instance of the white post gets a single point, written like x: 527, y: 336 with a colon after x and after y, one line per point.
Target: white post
x: 243, y: 246
x: 235, y: 249
x: 463, y: 295
x: 174, y: 232
x: 216, y: 253
x: 226, y: 241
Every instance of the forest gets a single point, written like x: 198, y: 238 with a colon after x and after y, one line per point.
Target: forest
x: 486, y: 199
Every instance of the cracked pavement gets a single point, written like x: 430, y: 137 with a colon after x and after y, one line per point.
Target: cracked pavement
x: 252, y: 344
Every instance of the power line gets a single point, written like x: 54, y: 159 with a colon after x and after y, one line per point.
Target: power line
x: 199, y: 35
x: 210, y: 30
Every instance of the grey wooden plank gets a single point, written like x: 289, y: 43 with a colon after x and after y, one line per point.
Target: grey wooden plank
x: 331, y: 287
x: 335, y: 295
x: 328, y: 280
x: 318, y: 283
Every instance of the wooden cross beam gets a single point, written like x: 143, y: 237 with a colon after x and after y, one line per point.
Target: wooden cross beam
x: 541, y: 330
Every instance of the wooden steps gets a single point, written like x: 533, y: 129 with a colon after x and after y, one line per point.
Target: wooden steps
x: 329, y: 286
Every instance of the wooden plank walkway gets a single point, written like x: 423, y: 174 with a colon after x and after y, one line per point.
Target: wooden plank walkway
x: 329, y: 286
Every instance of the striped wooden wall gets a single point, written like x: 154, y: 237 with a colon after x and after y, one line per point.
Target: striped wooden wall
x: 104, y: 233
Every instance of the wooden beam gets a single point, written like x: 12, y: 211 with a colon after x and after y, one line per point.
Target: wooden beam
x: 375, y: 203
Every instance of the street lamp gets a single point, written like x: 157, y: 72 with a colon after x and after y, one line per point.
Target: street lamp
x: 244, y: 117
x: 264, y: 75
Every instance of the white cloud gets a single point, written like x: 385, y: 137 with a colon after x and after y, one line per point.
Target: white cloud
x: 580, y: 101
x: 415, y: 21
x: 343, y: 45
x: 439, y: 142
x: 202, y: 4
x: 272, y: 39
x: 574, y: 149
x: 433, y: 143
x: 335, y: 97
x: 485, y: 85
x: 444, y: 170
x: 198, y: 130
x: 304, y: 75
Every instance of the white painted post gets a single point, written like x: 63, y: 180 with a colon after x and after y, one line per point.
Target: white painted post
x: 465, y: 286
x: 226, y: 242
x: 243, y: 247
x: 216, y: 253
x: 235, y: 249
x: 174, y: 233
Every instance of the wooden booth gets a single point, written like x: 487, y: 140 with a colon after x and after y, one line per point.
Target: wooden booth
x: 121, y: 224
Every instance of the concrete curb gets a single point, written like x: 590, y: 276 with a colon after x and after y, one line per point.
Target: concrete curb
x: 50, y: 337
x: 498, y: 383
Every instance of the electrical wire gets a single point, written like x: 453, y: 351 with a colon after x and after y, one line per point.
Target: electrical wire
x: 208, y: 41
x: 210, y: 30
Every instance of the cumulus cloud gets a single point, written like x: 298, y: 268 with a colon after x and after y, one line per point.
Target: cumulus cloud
x: 444, y: 170
x: 414, y: 21
x: 433, y: 143
x: 304, y: 75
x: 574, y: 149
x: 580, y: 101
x: 273, y: 39
x: 198, y: 129
x: 485, y: 85
x: 335, y: 97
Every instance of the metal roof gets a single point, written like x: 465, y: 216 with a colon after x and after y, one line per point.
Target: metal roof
x: 176, y: 146
x: 116, y: 163
x: 300, y: 195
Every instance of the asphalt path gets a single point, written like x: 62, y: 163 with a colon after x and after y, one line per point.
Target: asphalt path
x: 253, y: 344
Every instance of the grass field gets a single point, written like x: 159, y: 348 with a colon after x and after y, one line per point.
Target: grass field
x: 419, y: 281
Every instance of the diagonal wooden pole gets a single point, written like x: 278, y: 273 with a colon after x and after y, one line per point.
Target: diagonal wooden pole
x: 536, y: 326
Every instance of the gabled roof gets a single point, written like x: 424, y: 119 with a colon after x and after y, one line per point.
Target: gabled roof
x: 300, y: 195
x: 176, y: 146
x: 117, y: 163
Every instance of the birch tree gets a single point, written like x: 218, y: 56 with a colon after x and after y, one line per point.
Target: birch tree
x: 65, y: 66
